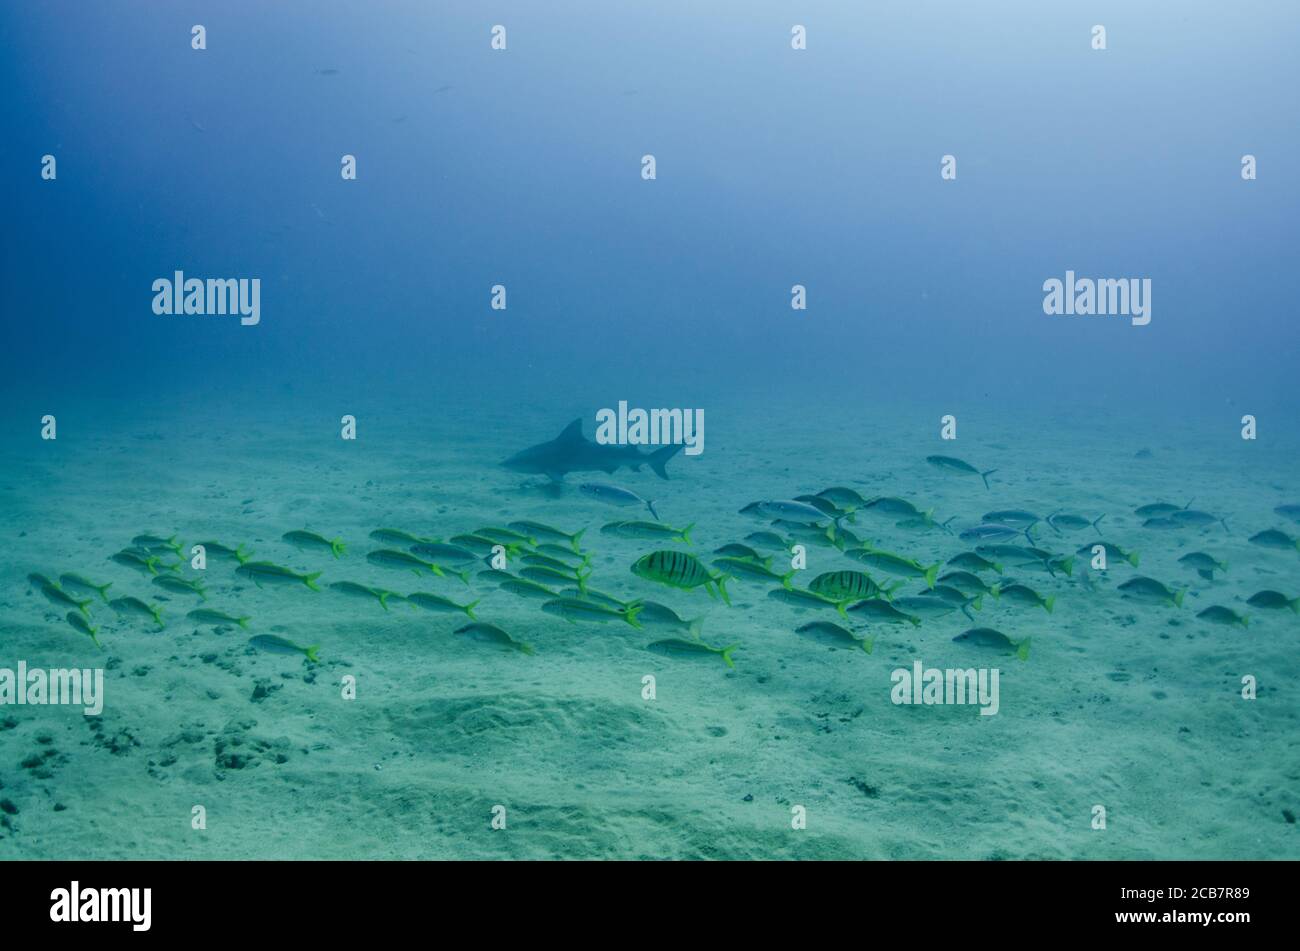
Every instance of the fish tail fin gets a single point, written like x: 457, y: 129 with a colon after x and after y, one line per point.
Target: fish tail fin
x: 243, y: 622
x: 725, y: 653
x: 722, y: 589
x: 1133, y: 558
x: 469, y: 609
x: 310, y: 653
x: 103, y: 591
x: 310, y: 580
x: 696, y: 627
x: 242, y: 556
x: 435, y: 569
x: 997, y: 566
x: 1029, y: 536
x: 1294, y: 604
x: 650, y: 504
x: 977, y: 602
x: 337, y: 547
x: 1050, y: 603
x: 1178, y: 598
x: 839, y: 606
x: 81, y: 606
x: 996, y: 590
x: 985, y: 476
x: 632, y: 611
x: 463, y: 576
x: 157, y: 616
x: 868, y: 643
x: 686, y: 534
x: 1096, y: 523
x: 931, y: 573
x: 786, y: 578
x: 1245, y: 620
x: 94, y: 638
x: 659, y: 458
x: 575, y: 538
x: 1022, y: 649
x: 152, y: 563
x: 526, y: 649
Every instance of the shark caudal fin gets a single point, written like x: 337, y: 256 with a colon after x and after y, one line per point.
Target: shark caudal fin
x: 659, y: 458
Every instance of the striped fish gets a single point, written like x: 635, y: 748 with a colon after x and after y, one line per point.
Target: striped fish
x: 678, y: 569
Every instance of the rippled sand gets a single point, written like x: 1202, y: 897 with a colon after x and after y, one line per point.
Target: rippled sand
x: 1132, y: 707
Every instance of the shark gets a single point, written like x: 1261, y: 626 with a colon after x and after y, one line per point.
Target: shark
x: 572, y: 452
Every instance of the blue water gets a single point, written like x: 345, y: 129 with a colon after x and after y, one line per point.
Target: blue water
x: 775, y: 167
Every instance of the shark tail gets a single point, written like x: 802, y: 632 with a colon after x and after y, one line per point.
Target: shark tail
x: 659, y: 458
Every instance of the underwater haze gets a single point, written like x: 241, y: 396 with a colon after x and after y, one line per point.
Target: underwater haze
x: 335, y: 340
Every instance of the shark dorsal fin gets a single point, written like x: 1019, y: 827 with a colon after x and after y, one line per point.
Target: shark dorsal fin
x: 572, y: 432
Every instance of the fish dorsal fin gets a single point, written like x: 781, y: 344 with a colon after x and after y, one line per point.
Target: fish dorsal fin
x: 572, y: 432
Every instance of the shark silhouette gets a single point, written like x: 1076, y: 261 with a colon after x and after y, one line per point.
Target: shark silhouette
x: 572, y: 452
